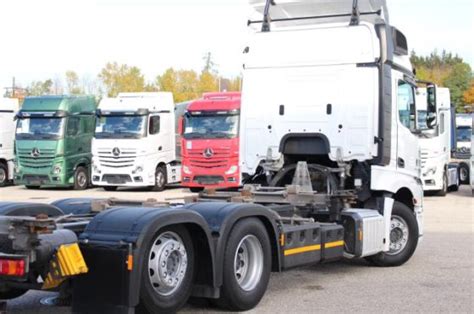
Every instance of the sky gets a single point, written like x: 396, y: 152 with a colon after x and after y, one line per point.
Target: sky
x: 43, y: 39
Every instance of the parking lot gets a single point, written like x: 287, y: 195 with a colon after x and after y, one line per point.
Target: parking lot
x: 438, y: 278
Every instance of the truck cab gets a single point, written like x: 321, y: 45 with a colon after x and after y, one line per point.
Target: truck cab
x: 462, y: 140
x: 434, y: 118
x: 8, y: 109
x: 210, y: 142
x: 134, y: 142
x: 53, y: 141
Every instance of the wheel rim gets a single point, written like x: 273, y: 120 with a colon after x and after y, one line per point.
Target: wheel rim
x: 160, y: 179
x: 3, y: 175
x: 248, y: 262
x: 463, y: 174
x: 81, y: 179
x: 167, y: 263
x: 399, y: 234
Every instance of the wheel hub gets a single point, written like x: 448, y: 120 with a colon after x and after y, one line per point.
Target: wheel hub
x: 248, y: 262
x: 398, y: 235
x: 167, y: 263
x: 3, y: 175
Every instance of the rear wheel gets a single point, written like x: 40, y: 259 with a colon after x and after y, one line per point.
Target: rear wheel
x: 160, y: 179
x: 247, y: 265
x: 403, y: 237
x: 464, y: 173
x: 3, y: 175
x: 168, y: 271
x: 81, y: 179
x: 110, y: 188
x: 196, y: 189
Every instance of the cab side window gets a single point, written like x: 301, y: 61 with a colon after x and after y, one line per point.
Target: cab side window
x: 154, y: 125
x: 406, y: 104
x: 73, y: 125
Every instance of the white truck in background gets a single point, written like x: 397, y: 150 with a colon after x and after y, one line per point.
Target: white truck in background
x: 8, y: 109
x: 134, y: 143
x: 434, y: 117
x: 462, y: 139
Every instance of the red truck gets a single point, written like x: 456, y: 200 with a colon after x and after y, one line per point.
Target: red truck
x: 210, y: 142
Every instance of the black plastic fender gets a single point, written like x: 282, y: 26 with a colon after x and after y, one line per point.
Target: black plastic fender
x: 75, y: 206
x: 221, y: 217
x: 114, y: 230
x: 28, y: 209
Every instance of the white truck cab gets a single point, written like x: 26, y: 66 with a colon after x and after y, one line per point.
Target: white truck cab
x: 8, y: 109
x: 336, y: 92
x: 434, y: 118
x: 134, y: 143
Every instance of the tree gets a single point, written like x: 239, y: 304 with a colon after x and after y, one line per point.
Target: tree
x: 469, y: 96
x: 121, y: 78
x: 72, y: 82
x: 445, y: 70
x: 208, y: 82
x: 39, y: 88
x: 168, y: 81
x: 209, y: 65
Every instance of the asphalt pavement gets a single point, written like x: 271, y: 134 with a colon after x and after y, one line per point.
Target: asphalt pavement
x: 438, y: 278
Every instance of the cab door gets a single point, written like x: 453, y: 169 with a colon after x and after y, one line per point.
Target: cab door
x: 159, y: 133
x: 407, y: 142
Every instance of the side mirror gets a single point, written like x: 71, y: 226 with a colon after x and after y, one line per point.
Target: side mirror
x: 432, y: 110
x: 180, y: 125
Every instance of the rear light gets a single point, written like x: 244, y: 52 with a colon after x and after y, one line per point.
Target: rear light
x: 12, y: 267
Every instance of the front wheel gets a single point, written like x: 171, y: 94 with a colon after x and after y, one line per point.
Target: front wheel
x: 247, y: 265
x: 81, y: 178
x: 160, y: 179
x: 463, y: 173
x: 168, y: 271
x: 403, y: 237
x: 444, y: 190
x: 3, y: 175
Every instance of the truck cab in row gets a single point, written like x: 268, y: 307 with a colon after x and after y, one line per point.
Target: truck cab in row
x: 8, y: 109
x: 434, y: 117
x: 134, y: 143
x: 210, y: 142
x: 53, y: 141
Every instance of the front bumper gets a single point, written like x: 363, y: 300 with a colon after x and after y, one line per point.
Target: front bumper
x: 41, y: 179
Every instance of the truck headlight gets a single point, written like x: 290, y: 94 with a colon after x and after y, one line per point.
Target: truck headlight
x: 186, y: 170
x: 232, y: 170
x: 17, y: 168
x: 431, y: 170
x: 57, y: 169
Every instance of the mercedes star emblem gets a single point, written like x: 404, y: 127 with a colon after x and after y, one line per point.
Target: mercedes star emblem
x: 116, y: 152
x: 208, y: 153
x: 35, y: 152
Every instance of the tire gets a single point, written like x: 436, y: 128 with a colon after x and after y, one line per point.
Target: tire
x: 32, y: 187
x: 81, y: 178
x: 196, y: 189
x: 11, y: 293
x: 166, y: 299
x: 160, y: 179
x: 444, y: 190
x: 251, y: 236
x: 3, y: 175
x: 401, y: 255
x: 455, y: 187
x: 463, y: 173
x: 110, y: 188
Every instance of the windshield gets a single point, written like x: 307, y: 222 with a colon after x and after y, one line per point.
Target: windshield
x: 463, y: 134
x: 120, y: 127
x: 40, y: 128
x: 211, y: 126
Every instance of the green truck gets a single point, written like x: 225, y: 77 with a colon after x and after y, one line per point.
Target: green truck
x: 53, y: 141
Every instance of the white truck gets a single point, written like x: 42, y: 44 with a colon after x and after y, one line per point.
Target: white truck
x: 8, y: 109
x: 463, y: 145
x: 434, y: 118
x: 134, y: 143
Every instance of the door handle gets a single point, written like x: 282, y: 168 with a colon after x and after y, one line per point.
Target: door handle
x: 282, y: 110
x: 160, y: 148
x: 400, y: 162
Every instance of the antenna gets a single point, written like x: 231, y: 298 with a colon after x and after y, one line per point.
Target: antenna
x: 266, y: 16
x: 355, y: 16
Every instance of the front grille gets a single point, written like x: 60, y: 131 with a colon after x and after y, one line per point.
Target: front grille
x: 35, y: 179
x: 208, y: 179
x: 43, y: 160
x: 424, y: 157
x: 126, y: 158
x: 116, y: 178
x: 219, y: 159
